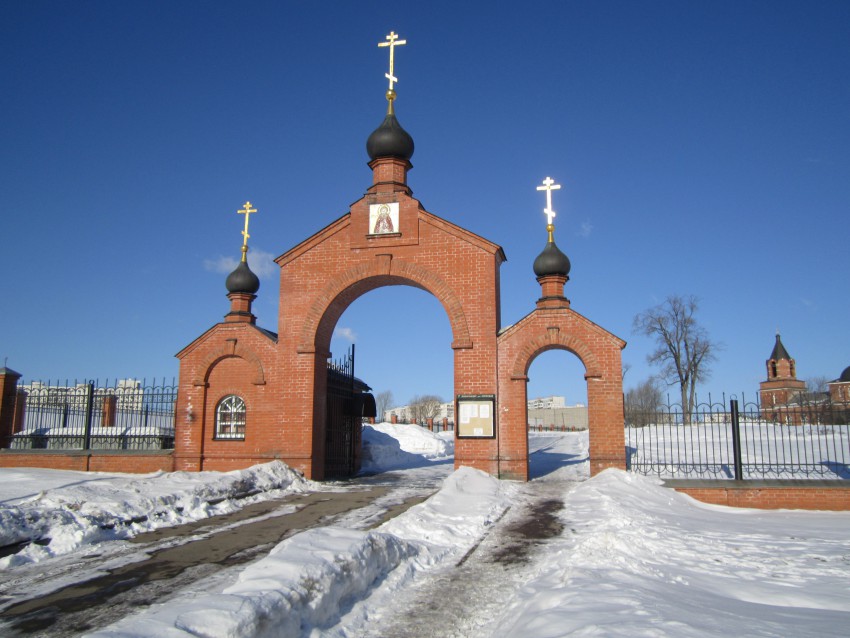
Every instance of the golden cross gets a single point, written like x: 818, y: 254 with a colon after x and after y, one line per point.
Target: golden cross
x: 549, y: 185
x: 392, y: 44
x: 247, y: 210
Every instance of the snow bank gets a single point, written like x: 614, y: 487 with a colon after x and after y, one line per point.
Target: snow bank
x: 310, y: 579
x: 303, y: 581
x: 456, y: 516
x: 89, y: 507
x: 388, y: 446
x: 638, y: 559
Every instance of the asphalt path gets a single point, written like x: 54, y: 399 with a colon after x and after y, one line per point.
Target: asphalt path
x: 165, y: 561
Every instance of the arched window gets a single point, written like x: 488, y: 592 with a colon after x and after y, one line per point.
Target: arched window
x: 230, y: 418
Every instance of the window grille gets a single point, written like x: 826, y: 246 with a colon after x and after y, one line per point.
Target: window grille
x: 230, y: 418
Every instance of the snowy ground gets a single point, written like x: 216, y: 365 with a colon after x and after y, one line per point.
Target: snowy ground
x: 617, y: 555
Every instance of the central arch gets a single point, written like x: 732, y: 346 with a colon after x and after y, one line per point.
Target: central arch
x: 344, y: 289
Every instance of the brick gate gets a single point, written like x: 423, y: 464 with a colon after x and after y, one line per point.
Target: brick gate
x: 386, y: 239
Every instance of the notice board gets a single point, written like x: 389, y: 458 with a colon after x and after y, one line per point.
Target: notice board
x: 476, y: 416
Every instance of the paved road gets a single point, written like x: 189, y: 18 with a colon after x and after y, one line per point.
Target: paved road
x: 467, y: 599
x: 165, y: 561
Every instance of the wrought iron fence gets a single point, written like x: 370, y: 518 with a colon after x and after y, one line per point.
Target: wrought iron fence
x: 434, y: 425
x: 732, y: 440
x: 128, y: 414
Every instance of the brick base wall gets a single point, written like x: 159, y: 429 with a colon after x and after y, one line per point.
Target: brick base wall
x: 141, y: 463
x: 802, y: 495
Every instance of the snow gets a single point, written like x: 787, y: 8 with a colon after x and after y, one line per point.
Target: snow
x: 76, y: 509
x: 388, y: 446
x: 633, y: 559
x: 641, y: 560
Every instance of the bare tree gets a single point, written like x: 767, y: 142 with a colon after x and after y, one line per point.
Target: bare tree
x: 643, y: 403
x: 817, y: 385
x: 684, y: 348
x: 424, y: 407
x: 383, y: 402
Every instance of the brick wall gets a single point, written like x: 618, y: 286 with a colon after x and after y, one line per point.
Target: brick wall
x: 807, y: 497
x: 91, y: 461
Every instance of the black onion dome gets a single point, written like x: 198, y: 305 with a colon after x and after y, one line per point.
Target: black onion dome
x: 389, y: 140
x: 242, y: 280
x: 845, y: 376
x: 551, y: 262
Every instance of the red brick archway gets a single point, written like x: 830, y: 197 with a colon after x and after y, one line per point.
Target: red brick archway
x: 554, y: 325
x: 283, y: 376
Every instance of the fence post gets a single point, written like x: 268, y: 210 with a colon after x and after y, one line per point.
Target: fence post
x: 110, y: 407
x: 736, y: 439
x: 8, y: 404
x: 89, y: 412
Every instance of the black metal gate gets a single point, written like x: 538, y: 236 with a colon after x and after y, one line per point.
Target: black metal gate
x: 342, y: 421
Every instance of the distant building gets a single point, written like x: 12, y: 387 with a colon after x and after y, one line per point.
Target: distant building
x: 446, y: 410
x: 782, y: 393
x: 405, y: 413
x: 128, y: 393
x: 546, y: 403
x: 571, y: 417
x: 785, y: 399
x: 839, y: 392
x: 546, y: 413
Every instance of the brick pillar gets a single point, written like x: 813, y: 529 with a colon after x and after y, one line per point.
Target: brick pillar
x: 20, y: 406
x: 8, y: 402
x: 552, y: 289
x: 393, y: 419
x: 240, y: 308
x: 109, y: 410
x: 431, y: 424
x: 389, y: 174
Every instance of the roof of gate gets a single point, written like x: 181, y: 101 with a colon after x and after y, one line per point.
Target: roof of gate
x: 436, y: 221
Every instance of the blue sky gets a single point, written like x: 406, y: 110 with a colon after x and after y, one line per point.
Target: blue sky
x: 703, y: 148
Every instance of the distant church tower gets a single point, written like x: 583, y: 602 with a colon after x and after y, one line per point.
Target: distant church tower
x: 782, y: 386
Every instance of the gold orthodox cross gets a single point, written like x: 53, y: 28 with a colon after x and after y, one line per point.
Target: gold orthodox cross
x: 247, y: 210
x: 392, y: 43
x: 549, y: 185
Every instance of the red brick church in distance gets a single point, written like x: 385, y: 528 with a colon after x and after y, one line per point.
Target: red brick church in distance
x: 249, y: 395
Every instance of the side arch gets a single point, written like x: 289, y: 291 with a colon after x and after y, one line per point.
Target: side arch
x: 552, y: 340
x: 232, y: 348
x: 342, y: 290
